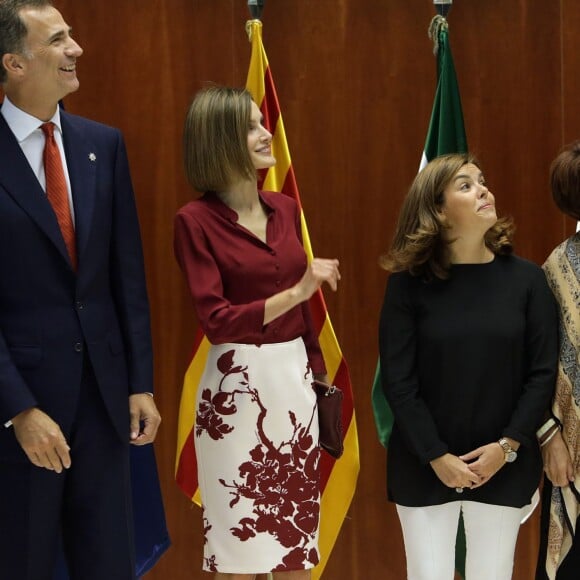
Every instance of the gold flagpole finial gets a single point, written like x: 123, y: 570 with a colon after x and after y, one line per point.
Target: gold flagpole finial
x: 250, y: 27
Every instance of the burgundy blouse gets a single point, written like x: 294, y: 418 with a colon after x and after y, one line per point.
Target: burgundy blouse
x: 231, y: 273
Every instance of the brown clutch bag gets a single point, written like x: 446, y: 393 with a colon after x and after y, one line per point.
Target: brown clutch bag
x: 329, y: 402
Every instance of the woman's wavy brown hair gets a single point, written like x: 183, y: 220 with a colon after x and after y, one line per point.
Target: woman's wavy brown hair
x: 419, y: 246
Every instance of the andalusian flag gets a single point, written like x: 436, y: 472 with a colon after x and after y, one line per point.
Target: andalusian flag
x: 338, y: 478
x: 446, y: 135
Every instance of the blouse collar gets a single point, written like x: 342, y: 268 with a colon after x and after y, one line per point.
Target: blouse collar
x: 212, y: 198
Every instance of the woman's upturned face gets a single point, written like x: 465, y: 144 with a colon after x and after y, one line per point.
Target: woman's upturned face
x: 468, y: 204
x: 259, y: 141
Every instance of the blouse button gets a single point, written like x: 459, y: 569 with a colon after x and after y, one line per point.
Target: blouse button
x: 277, y: 282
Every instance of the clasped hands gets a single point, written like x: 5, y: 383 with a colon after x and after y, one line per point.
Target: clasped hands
x: 471, y: 470
x: 46, y: 446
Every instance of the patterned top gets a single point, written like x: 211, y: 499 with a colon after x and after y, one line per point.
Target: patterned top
x: 563, y: 273
x: 231, y: 272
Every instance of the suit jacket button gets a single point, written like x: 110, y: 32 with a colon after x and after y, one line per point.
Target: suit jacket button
x: 78, y: 347
x: 79, y: 305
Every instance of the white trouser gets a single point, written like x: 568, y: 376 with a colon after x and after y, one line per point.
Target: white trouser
x: 429, y: 533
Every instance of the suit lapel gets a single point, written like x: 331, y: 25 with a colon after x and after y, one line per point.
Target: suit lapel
x: 20, y: 182
x: 81, y: 160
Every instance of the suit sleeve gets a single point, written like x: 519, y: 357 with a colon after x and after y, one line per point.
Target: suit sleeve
x: 128, y: 277
x: 397, y: 345
x: 15, y: 396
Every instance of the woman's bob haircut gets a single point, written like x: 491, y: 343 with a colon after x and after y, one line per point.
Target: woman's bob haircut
x: 215, y: 139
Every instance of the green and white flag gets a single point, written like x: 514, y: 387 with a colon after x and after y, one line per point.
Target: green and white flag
x: 446, y: 129
x: 446, y: 135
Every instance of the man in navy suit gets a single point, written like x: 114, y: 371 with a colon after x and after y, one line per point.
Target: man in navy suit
x: 75, y: 345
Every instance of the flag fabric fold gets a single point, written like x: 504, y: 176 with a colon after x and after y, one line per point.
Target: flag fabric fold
x: 338, y: 478
x: 150, y: 529
x: 446, y: 134
x: 149, y: 526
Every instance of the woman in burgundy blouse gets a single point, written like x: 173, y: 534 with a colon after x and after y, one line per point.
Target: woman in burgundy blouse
x: 256, y: 432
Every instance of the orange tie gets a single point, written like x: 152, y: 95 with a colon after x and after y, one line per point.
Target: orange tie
x: 57, y: 192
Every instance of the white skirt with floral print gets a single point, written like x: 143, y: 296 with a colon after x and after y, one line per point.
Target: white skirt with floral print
x: 256, y: 441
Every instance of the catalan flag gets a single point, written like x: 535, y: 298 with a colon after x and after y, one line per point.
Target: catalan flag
x: 338, y: 478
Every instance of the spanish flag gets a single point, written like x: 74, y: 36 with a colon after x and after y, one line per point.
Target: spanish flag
x: 338, y: 478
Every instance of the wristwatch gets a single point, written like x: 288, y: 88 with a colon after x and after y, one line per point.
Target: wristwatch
x: 510, y: 453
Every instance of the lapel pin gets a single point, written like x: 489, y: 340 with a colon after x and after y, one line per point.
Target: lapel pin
x: 92, y: 157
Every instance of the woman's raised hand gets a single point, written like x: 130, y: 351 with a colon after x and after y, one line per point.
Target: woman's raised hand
x: 320, y: 270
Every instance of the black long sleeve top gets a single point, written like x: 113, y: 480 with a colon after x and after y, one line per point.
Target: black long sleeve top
x: 465, y: 361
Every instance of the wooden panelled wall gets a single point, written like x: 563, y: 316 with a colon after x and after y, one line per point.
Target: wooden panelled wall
x: 355, y: 80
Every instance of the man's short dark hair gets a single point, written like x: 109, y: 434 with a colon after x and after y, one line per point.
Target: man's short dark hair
x: 12, y: 30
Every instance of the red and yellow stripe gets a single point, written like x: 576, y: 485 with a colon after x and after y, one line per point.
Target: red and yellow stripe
x: 338, y: 478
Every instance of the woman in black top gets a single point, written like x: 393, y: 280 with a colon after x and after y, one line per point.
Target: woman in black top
x: 468, y: 345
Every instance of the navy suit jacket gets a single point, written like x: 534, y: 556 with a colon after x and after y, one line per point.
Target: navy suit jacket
x: 50, y: 315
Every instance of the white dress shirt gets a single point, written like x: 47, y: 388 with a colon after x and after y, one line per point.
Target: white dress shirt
x: 30, y: 137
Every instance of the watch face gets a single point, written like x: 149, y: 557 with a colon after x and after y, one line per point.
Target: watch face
x: 511, y: 456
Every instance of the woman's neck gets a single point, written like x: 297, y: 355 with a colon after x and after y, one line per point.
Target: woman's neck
x: 241, y: 196
x: 464, y: 252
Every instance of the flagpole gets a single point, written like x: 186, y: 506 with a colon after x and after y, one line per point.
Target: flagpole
x: 439, y: 21
x: 443, y: 7
x: 256, y: 7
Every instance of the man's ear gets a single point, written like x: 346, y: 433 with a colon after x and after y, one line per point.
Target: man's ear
x: 12, y: 63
